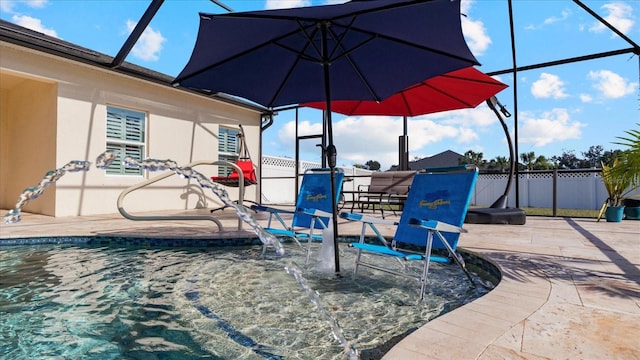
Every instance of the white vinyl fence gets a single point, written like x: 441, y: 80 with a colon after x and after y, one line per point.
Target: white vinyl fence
x: 278, y: 179
x: 575, y: 189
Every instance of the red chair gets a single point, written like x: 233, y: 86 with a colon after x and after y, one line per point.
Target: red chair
x: 233, y: 179
x: 246, y: 166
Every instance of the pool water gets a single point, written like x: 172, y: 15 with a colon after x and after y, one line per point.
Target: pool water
x: 69, y: 301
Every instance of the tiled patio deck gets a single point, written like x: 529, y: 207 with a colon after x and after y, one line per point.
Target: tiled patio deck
x: 570, y: 287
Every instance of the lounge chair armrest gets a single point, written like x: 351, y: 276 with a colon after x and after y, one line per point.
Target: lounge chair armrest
x: 436, y: 225
x: 366, y: 219
x: 270, y: 209
x: 315, y: 212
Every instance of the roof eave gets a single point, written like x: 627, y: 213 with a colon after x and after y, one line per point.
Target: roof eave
x: 34, y: 40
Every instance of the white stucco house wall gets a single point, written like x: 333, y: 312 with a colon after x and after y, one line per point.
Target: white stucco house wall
x: 54, y: 102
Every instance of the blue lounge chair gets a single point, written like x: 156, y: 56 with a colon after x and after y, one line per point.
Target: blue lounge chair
x: 313, y: 208
x: 436, y: 205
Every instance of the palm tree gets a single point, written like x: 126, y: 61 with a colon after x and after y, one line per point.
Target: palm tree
x: 622, y: 175
x: 502, y: 163
x: 629, y: 166
x: 542, y: 163
x: 474, y: 158
x: 528, y: 159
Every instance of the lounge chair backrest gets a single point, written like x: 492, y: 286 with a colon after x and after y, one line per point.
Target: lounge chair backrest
x: 441, y: 196
x: 391, y: 182
x: 315, y: 193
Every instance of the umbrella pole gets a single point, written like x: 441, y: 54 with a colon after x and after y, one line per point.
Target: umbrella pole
x: 331, y: 152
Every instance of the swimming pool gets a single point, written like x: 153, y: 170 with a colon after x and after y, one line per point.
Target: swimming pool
x: 114, y: 302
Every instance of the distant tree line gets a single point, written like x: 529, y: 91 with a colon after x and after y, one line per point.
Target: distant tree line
x: 592, y: 158
x: 369, y: 165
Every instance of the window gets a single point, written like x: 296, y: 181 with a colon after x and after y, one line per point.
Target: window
x: 125, y: 136
x: 228, y: 148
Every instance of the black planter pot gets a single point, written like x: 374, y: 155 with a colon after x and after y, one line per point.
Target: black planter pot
x: 631, y: 202
x: 631, y: 209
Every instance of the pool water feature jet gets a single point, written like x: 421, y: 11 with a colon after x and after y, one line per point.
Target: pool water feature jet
x: 14, y: 215
x: 313, y: 295
x: 104, y: 160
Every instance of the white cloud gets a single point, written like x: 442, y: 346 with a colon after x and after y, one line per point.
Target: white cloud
x: 586, y: 98
x: 474, y: 31
x: 465, y: 6
x: 479, y: 117
x: 305, y: 127
x: 287, y: 135
x: 611, y: 85
x: 620, y: 15
x: 548, y: 127
x: 7, y: 6
x: 333, y: 2
x: 476, y: 35
x: 564, y: 15
x: 285, y: 4
x: 149, y: 44
x: 37, y: 4
x: 33, y: 24
x: 442, y: 130
x: 548, y: 86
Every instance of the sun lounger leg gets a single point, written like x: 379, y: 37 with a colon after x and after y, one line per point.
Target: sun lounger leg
x: 362, y: 233
x: 425, y: 272
x: 456, y: 258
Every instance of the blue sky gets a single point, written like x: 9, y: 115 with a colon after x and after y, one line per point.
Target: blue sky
x: 560, y: 108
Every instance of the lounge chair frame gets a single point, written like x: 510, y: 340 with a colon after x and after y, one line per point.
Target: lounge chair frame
x: 305, y: 218
x: 404, y: 251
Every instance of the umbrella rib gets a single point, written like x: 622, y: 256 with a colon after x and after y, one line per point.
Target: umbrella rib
x: 406, y: 103
x: 240, y: 54
x: 339, y: 39
x: 354, y: 15
x: 465, y: 79
x: 479, y: 81
x: 301, y: 54
x: 346, y: 53
x: 413, y: 45
x: 450, y: 96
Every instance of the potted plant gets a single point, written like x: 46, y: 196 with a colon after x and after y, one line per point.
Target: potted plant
x: 617, y: 184
x: 621, y: 177
x: 631, y: 167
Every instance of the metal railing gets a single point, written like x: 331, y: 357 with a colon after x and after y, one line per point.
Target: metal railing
x: 167, y: 174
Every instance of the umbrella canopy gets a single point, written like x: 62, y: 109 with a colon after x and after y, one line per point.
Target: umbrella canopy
x: 463, y: 88
x: 360, y: 50
x: 373, y: 48
x: 459, y: 89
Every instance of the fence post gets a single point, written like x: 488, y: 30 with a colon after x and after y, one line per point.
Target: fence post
x: 555, y: 192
